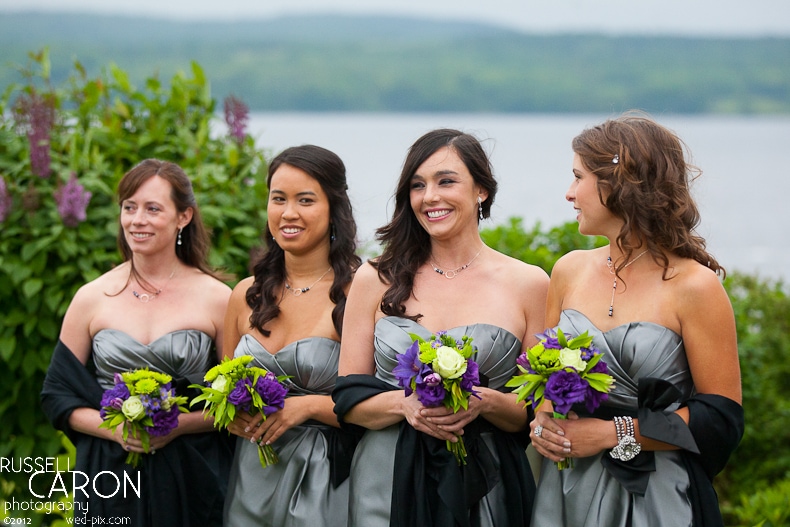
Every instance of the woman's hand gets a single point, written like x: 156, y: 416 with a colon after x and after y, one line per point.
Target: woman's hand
x: 572, y: 437
x: 425, y: 419
x: 550, y: 440
x: 295, y: 412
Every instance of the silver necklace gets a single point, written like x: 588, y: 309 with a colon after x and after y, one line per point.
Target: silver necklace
x: 610, y: 265
x: 145, y: 297
x: 452, y: 273
x: 297, y: 291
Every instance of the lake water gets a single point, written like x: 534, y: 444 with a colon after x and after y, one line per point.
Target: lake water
x: 744, y: 186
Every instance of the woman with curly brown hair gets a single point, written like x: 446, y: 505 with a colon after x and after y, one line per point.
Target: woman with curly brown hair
x: 657, y: 310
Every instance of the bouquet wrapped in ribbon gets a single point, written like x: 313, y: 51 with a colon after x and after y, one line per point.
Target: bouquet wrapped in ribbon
x: 440, y: 371
x: 564, y: 372
x: 233, y: 386
x: 145, y: 403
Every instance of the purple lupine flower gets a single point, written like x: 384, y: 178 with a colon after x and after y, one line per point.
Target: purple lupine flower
x: 272, y: 392
x: 408, y: 366
x: 72, y: 199
x: 164, y: 422
x: 38, y: 113
x: 5, y: 201
x: 565, y: 388
x: 236, y: 116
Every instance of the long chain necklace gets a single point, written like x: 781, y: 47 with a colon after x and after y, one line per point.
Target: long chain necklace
x: 452, y: 273
x: 145, y: 297
x: 610, y: 265
x: 297, y: 291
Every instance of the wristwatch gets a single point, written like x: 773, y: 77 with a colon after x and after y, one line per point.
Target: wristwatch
x: 627, y: 448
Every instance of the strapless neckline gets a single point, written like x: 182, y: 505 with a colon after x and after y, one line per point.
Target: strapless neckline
x: 621, y: 326
x: 291, y: 345
x: 476, y: 324
x: 151, y: 343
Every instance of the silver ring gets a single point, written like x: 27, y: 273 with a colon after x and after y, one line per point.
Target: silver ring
x: 538, y: 431
x: 153, y: 451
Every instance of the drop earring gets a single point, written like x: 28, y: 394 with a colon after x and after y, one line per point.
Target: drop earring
x: 178, y: 242
x: 332, y: 233
x: 480, y: 207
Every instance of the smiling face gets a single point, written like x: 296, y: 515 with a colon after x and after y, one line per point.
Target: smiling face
x: 298, y: 210
x: 443, y: 194
x: 150, y: 219
x: 593, y: 216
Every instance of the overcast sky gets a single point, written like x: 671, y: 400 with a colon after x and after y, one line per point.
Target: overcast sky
x: 688, y: 17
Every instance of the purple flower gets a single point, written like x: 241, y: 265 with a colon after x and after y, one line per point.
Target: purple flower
x: 236, y: 116
x: 429, y: 394
x: 119, y: 391
x: 240, y: 396
x: 471, y: 376
x: 38, y: 113
x: 550, y: 338
x: 594, y: 398
x: 565, y: 388
x: 408, y: 366
x: 72, y: 200
x: 272, y: 392
x: 164, y: 422
x: 5, y: 201
x: 523, y: 361
x: 432, y: 379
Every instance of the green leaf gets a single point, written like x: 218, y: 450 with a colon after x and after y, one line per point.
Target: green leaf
x: 32, y: 287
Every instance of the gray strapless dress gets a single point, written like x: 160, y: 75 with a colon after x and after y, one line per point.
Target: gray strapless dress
x: 372, y: 469
x: 183, y: 353
x: 587, y: 494
x: 296, y: 491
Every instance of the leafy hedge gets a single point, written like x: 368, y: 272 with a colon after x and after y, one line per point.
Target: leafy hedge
x: 61, y: 144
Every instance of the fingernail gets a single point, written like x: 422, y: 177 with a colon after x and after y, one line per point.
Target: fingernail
x: 566, y: 450
x: 567, y: 444
x: 247, y: 429
x: 560, y: 433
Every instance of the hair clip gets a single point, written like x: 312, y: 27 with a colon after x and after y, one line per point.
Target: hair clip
x: 616, y: 159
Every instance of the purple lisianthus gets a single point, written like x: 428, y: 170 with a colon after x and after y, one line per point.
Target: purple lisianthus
x: 117, y: 392
x: 471, y: 377
x: 272, y: 392
x: 164, y: 422
x: 523, y: 361
x: 240, y: 395
x: 72, y: 199
x: 565, y: 388
x: 408, y: 367
x: 429, y: 394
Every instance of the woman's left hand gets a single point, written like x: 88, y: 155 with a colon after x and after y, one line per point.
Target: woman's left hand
x: 453, y: 422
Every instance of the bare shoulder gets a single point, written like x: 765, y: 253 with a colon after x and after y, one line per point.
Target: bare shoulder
x: 521, y: 273
x: 367, y: 278
x: 696, y: 284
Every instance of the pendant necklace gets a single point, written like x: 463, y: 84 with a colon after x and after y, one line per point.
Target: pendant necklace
x: 452, y: 273
x: 145, y: 297
x: 297, y: 291
x: 610, y: 265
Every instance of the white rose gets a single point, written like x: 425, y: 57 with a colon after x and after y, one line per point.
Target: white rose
x: 133, y: 408
x: 572, y: 358
x: 449, y: 363
x: 220, y: 383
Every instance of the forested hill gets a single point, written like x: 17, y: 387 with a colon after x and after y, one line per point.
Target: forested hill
x: 345, y: 63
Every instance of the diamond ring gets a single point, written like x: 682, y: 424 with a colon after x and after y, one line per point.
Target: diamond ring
x: 538, y: 431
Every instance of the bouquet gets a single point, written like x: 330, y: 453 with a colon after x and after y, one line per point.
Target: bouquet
x: 233, y: 386
x: 145, y: 403
x: 440, y: 371
x: 564, y: 372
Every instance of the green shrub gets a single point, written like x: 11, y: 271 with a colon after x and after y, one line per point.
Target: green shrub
x: 96, y: 129
x: 538, y: 247
x: 768, y: 507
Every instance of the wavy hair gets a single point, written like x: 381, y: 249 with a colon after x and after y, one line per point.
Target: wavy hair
x: 406, y: 244
x: 195, y: 238
x: 269, y: 269
x: 647, y: 187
